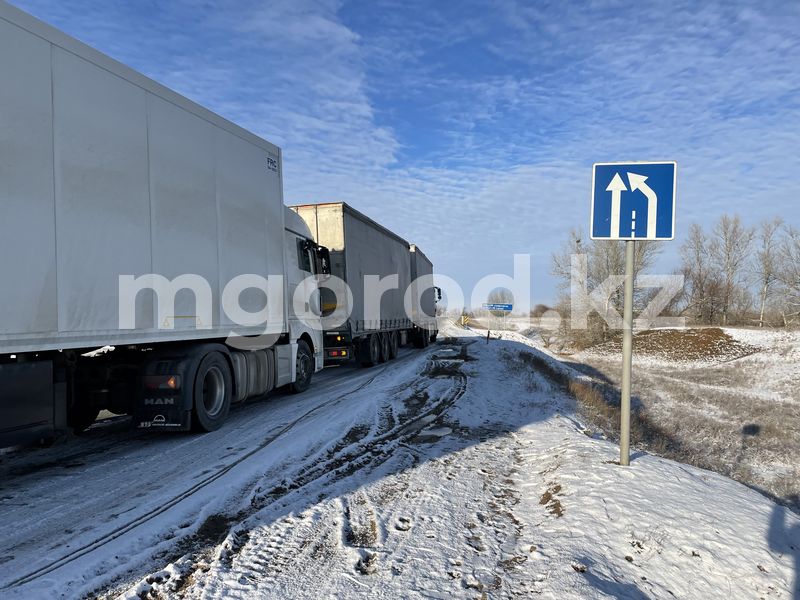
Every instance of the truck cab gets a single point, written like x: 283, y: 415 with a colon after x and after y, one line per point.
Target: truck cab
x: 306, y: 261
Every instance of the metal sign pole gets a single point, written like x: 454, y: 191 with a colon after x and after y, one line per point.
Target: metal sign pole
x: 627, y: 354
x: 654, y: 182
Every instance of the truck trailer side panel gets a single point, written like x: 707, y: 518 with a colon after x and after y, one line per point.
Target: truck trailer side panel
x: 27, y: 229
x: 104, y: 173
x: 371, y: 250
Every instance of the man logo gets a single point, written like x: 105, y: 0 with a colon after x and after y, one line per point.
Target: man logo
x: 159, y: 401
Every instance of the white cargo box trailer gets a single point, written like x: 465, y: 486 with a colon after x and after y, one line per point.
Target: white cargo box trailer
x: 105, y: 173
x: 362, y: 250
x: 424, y: 295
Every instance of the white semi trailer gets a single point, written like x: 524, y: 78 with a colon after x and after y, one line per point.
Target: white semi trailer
x: 424, y: 295
x: 387, y: 304
x: 104, y: 174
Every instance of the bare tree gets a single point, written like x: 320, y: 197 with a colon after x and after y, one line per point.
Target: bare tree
x: 767, y: 262
x: 789, y: 274
x: 607, y: 258
x: 704, y: 285
x: 562, y: 261
x: 604, y: 259
x: 729, y: 248
x: 500, y: 296
x: 731, y: 272
x: 539, y: 310
x: 696, y: 271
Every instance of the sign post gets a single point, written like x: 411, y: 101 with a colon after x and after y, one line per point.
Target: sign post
x: 627, y: 357
x: 650, y: 193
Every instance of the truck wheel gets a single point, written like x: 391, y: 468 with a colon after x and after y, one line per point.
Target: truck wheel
x: 304, y: 368
x: 385, y: 347
x: 370, y: 350
x: 418, y: 342
x: 420, y: 338
x: 433, y: 337
x: 213, y: 385
x: 394, y: 344
x: 80, y: 418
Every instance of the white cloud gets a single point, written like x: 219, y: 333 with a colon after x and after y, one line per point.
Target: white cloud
x: 515, y: 101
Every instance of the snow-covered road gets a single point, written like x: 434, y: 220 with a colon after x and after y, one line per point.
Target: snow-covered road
x: 430, y: 476
x: 104, y: 505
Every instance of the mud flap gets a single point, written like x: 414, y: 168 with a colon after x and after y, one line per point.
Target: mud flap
x: 32, y: 403
x: 168, y: 409
x: 160, y: 410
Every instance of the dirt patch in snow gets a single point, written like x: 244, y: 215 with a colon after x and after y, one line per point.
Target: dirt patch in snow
x: 355, y: 435
x: 362, y: 526
x: 214, y: 529
x: 444, y: 369
x: 551, y: 502
x: 706, y: 344
x: 416, y: 401
x: 367, y: 564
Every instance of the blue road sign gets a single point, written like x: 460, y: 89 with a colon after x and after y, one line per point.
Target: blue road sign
x: 633, y: 201
x: 503, y: 307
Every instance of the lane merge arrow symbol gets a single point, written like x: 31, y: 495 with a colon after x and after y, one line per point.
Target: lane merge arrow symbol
x: 637, y: 182
x: 616, y: 187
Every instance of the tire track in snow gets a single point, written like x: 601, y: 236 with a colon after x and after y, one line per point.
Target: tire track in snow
x: 350, y: 460
x: 177, y: 499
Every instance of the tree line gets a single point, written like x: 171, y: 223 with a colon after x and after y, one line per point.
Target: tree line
x: 734, y: 274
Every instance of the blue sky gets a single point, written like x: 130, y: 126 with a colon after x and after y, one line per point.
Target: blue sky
x: 470, y: 127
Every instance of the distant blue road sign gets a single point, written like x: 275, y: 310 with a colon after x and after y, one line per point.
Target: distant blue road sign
x: 633, y: 201
x: 504, y: 307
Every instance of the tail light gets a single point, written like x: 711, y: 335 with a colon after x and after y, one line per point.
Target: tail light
x: 162, y: 382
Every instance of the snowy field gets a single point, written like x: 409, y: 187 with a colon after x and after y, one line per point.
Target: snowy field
x: 439, y: 475
x: 729, y: 399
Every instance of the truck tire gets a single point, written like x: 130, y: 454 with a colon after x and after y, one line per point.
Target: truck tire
x: 213, y: 387
x: 420, y: 338
x: 385, y: 347
x: 304, y: 368
x: 394, y: 344
x: 416, y: 339
x: 433, y: 337
x: 80, y: 418
x: 370, y: 352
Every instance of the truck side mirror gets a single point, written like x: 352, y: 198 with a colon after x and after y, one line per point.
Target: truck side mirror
x: 323, y: 261
x: 438, y: 292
